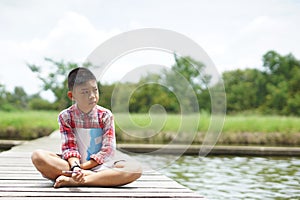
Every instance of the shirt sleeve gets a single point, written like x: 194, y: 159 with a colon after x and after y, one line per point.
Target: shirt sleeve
x: 109, y: 140
x: 69, y: 145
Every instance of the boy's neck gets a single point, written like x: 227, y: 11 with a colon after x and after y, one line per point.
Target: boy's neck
x: 83, y: 110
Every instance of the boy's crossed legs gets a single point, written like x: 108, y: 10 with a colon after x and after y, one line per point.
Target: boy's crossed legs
x: 51, y: 166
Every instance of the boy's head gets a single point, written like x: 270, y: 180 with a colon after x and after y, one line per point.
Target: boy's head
x: 83, y: 88
x: 79, y: 76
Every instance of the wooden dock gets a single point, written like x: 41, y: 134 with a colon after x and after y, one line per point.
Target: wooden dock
x: 20, y: 180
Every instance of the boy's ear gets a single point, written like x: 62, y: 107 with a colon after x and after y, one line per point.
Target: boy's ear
x: 70, y: 95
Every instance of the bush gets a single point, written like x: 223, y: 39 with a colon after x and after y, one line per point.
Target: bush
x: 40, y: 104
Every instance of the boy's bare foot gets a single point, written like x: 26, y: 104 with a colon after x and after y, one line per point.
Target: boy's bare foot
x: 62, y: 181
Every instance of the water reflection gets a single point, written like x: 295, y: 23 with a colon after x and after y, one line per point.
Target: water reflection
x: 235, y: 177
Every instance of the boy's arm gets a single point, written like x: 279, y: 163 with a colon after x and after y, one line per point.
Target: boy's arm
x: 69, y: 145
x: 89, y: 164
x: 73, y: 161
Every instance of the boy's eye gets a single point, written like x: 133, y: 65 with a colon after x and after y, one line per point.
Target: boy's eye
x: 85, y: 92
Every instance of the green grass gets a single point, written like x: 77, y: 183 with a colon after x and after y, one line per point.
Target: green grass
x: 232, y: 123
x: 159, y: 128
x: 261, y: 130
x: 27, y: 124
x: 168, y: 123
x: 263, y: 124
x: 237, y: 129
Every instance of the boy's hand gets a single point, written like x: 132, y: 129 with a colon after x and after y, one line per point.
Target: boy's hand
x: 78, y: 175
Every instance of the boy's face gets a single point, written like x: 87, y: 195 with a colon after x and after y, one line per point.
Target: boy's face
x: 86, y: 95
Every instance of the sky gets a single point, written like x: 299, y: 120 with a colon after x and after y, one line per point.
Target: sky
x: 234, y: 33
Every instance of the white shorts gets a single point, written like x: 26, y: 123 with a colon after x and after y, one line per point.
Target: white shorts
x: 107, y: 165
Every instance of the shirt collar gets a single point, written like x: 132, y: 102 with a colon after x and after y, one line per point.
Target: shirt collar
x: 80, y: 113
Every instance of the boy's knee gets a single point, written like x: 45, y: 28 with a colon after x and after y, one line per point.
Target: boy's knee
x: 37, y: 156
x: 138, y: 172
x: 136, y: 175
x: 135, y: 171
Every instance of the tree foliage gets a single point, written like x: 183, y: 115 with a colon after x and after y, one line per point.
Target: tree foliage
x: 188, y: 81
x: 245, y: 89
x: 18, y: 99
x: 56, y: 80
x: 273, y: 89
x: 283, y: 83
x: 177, y: 90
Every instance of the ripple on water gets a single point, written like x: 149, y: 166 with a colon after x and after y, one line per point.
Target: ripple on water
x: 235, y: 177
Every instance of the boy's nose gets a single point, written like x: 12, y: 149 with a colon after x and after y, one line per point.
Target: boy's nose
x: 92, y: 95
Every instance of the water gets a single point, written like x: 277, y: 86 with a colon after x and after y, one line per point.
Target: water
x: 233, y: 177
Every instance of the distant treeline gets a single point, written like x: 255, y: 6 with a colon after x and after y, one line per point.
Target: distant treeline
x: 272, y: 89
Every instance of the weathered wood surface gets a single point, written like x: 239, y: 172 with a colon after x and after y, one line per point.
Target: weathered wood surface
x: 20, y: 180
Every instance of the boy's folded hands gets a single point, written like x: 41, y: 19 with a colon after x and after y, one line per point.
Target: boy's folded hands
x: 78, y: 175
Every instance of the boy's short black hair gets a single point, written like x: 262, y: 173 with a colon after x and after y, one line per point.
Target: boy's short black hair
x: 79, y: 76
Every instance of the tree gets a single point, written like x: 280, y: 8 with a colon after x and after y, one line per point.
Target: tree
x: 56, y: 80
x: 283, y: 83
x: 245, y: 89
x: 16, y: 100
x: 120, y: 97
x: 4, y: 104
x: 188, y: 80
x: 19, y: 98
x: 274, y: 90
x: 150, y: 94
x: 106, y: 91
x: 36, y: 102
x: 179, y: 89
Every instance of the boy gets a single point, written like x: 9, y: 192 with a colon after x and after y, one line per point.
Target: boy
x: 88, y: 141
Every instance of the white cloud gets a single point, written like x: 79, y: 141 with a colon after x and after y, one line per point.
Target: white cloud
x: 74, y: 37
x: 235, y: 34
x: 254, y: 39
x: 71, y: 39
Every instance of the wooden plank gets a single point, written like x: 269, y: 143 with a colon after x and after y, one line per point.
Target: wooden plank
x: 98, y: 194
x: 28, y: 175
x: 98, y: 198
x: 93, y: 189
x: 17, y: 168
x: 37, y: 183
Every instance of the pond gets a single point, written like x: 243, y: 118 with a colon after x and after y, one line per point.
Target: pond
x: 233, y: 177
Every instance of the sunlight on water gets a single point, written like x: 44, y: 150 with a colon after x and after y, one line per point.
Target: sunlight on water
x: 236, y: 177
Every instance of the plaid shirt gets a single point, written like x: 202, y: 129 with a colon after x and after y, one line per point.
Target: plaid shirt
x: 99, y: 117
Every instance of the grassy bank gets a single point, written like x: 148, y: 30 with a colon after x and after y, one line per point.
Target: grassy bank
x: 26, y: 125
x: 237, y: 129
x: 261, y: 130
x: 141, y: 128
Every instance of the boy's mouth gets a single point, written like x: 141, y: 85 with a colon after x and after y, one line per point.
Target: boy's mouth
x: 93, y: 102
